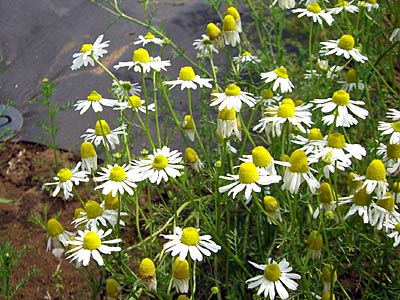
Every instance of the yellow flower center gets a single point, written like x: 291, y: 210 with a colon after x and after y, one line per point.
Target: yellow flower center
x: 149, y: 36
x: 160, y: 162
x: 182, y: 297
x: 327, y: 296
x: 94, y: 96
x: 396, y: 187
x: 91, y: 241
x: 64, y: 175
x: 190, y: 236
x: 232, y: 90
x: 336, y: 140
x: 281, y: 72
x: 353, y: 184
x: 341, y: 3
x: 397, y: 227
x: 346, y: 42
x: 126, y: 85
x: 298, y: 102
x: 396, y: 126
x: 272, y: 272
x: 288, y: 101
x: 93, y: 209
x: 298, y: 162
x: 112, y: 288
x: 188, y: 122
x: 134, y: 101
x: 372, y: 1
x: 87, y: 150
x: 267, y: 93
x: 229, y: 23
x: 227, y: 114
x: 54, y: 228
x: 326, y: 194
x: 393, y: 151
x: 117, y: 174
x: 147, y: 269
x: 233, y: 12
x: 286, y: 110
x: 341, y: 97
x: 111, y: 202
x: 141, y: 55
x: 314, y: 7
x: 180, y: 269
x: 246, y: 53
x: 248, y: 173
x: 361, y: 198
x: 187, y: 74
x: 86, y: 47
x: 315, y: 135
x: 190, y: 155
x: 78, y: 212
x: 102, y: 128
x: 376, y: 170
x: 314, y: 241
x: 261, y: 157
x: 328, y: 274
x: 351, y: 76
x: 387, y: 202
x: 213, y: 31
x: 270, y: 204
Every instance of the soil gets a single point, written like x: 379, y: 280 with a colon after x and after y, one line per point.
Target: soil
x: 24, y: 168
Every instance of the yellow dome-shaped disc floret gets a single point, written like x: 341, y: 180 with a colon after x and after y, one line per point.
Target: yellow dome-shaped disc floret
x: 336, y: 140
x: 272, y: 272
x: 147, y: 269
x: 141, y: 55
x: 91, y: 241
x: 261, y: 157
x: 341, y: 97
x: 102, y: 128
x: 87, y: 150
x: 248, y: 173
x: 281, y: 72
x: 376, y: 170
x: 187, y: 74
x: 298, y: 162
x: 160, y: 162
x: 54, y: 228
x: 232, y: 90
x: 93, y: 209
x: 64, y: 175
x: 346, y: 42
x: 180, y: 269
x: 117, y: 174
x: 190, y: 236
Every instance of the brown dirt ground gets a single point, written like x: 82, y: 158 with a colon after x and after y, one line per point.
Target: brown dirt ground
x: 24, y: 167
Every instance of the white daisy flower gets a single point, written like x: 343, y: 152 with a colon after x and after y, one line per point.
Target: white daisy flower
x: 66, y: 179
x: 315, y: 12
x: 117, y: 178
x: 390, y: 154
x: 327, y: 200
x: 215, y: 35
x: 235, y: 14
x: 299, y: 171
x: 95, y: 214
x: 188, y: 240
x: 287, y: 111
x: 323, y: 69
x: 375, y: 178
x: 246, y: 57
x: 230, y: 31
x: 188, y: 80
x: 89, y: 244
x: 272, y: 208
x: 94, y: 100
x: 160, y: 165
x: 360, y: 203
x: 142, y: 62
x: 103, y: 134
x: 343, y: 47
x: 227, y: 124
x: 180, y: 275
x: 232, y: 97
x: 188, y: 127
x: 307, y: 143
x: 147, y: 273
x: 275, y: 278
x: 393, y: 225
x: 95, y: 50
x: 314, y: 244
x: 285, y: 4
x: 382, y: 211
x: 134, y: 103
x: 204, y: 46
x: 149, y: 38
x: 280, y: 78
x: 352, y: 83
x: 392, y: 129
x: 339, y: 105
x: 88, y: 157
x: 369, y: 4
x: 249, y: 179
x: 57, y: 236
x: 344, y: 5
x: 193, y: 159
x: 395, y: 36
x: 124, y: 88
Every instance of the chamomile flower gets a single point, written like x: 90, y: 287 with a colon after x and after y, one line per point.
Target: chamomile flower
x: 360, y: 203
x: 113, y: 289
x: 227, y: 124
x: 339, y: 105
x: 315, y: 244
x: 392, y: 129
x: 315, y: 12
x: 180, y: 275
x: 285, y: 4
x: 94, y: 100
x: 232, y: 97
x: 390, y: 154
x: 280, y: 78
x: 343, y: 47
x: 66, y: 179
x: 160, y: 165
x: 230, y: 31
x: 352, y: 82
x: 147, y: 273
x: 188, y: 127
x: 188, y: 240
x: 189, y: 80
x: 395, y: 36
x: 272, y: 208
x: 328, y: 277
x: 375, y: 178
x: 275, y: 278
x: 124, y: 88
x: 342, y: 5
x: 215, y: 35
x: 57, y: 236
x: 117, y: 178
x: 88, y: 52
x: 382, y: 211
x: 193, y: 159
x: 88, y: 157
x: 204, y: 46
x: 102, y: 134
x: 263, y: 160
x: 149, y: 38
x: 235, y: 14
x: 246, y: 57
x: 142, y: 62
x: 249, y: 179
x: 393, y: 225
x: 135, y: 103
x: 286, y: 112
x: 308, y: 143
x: 369, y: 4
x: 89, y: 244
x: 323, y: 69
x: 326, y: 198
x: 298, y: 172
